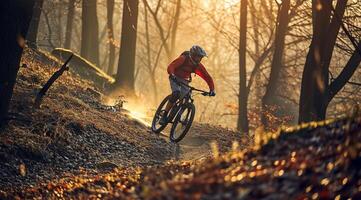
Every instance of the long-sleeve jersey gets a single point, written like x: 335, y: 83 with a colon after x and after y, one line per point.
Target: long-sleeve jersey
x: 182, y: 68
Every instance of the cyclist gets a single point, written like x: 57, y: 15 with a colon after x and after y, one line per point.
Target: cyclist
x: 180, y: 71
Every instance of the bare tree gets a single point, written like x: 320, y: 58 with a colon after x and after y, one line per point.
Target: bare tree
x: 151, y: 64
x: 315, y: 87
x: 90, y: 32
x: 175, y: 27
x: 69, y: 24
x: 34, y: 24
x: 343, y: 78
x: 263, y: 44
x: 126, y: 65
x: 270, y: 99
x: 242, y: 123
x: 164, y: 31
x: 15, y: 20
x: 110, y: 29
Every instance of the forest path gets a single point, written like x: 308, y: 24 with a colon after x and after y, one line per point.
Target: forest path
x: 200, y: 141
x: 192, y: 147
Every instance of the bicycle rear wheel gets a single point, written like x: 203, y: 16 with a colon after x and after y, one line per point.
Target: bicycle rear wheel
x: 156, y: 127
x: 182, y: 122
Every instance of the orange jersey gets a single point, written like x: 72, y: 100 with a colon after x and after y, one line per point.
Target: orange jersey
x: 182, y: 68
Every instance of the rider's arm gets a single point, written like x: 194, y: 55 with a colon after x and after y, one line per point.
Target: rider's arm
x: 202, y: 72
x: 176, y: 63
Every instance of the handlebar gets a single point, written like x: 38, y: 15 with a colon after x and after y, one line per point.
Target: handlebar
x: 204, y: 93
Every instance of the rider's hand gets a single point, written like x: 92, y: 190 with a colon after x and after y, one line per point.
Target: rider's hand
x: 212, y: 93
x: 173, y: 77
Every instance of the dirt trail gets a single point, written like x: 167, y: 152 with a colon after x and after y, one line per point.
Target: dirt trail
x: 198, y: 142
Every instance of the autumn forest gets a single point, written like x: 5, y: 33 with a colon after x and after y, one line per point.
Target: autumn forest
x: 180, y: 99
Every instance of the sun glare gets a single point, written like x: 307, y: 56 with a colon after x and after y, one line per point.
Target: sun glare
x: 229, y: 3
x: 138, y: 112
x: 226, y: 3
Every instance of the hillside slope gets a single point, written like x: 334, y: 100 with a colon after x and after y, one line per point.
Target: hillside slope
x: 314, y: 161
x: 73, y: 133
x: 75, y: 147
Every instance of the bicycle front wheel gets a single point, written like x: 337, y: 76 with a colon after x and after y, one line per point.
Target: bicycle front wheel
x: 156, y: 127
x: 182, y: 122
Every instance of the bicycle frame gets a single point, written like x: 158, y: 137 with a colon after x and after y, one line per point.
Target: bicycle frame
x: 185, y: 102
x: 186, y: 99
x: 176, y: 107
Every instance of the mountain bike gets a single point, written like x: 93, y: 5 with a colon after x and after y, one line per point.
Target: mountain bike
x: 181, y: 114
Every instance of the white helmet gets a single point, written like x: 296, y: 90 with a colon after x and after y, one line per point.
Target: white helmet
x: 197, y: 50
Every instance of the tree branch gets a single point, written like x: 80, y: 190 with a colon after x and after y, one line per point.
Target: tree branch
x: 345, y: 74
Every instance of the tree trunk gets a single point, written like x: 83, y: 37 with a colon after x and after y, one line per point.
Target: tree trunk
x: 174, y: 29
x: 69, y: 24
x: 59, y: 32
x: 89, y: 35
x: 34, y: 24
x: 15, y: 18
x: 149, y: 59
x: 269, y: 100
x: 110, y: 12
x: 126, y: 64
x: 255, y: 27
x: 242, y: 123
x: 154, y: 83
x: 314, y: 87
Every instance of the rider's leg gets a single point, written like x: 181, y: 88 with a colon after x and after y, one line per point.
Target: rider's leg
x: 174, y: 97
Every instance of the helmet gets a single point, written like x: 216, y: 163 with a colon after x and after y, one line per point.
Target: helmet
x: 197, y: 50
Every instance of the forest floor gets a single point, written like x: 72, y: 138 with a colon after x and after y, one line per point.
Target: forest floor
x: 74, y: 134
x: 76, y: 147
